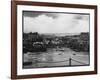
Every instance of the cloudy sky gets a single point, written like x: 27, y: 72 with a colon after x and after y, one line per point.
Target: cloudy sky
x: 44, y: 22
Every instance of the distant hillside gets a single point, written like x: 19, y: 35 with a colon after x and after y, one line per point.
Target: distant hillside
x: 59, y: 34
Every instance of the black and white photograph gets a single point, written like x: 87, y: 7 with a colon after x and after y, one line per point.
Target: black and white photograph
x: 55, y: 39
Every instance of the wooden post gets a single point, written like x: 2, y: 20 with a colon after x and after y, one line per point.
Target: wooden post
x: 70, y: 61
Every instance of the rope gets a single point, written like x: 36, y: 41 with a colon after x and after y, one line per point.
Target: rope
x: 51, y: 62
x: 61, y: 61
x: 79, y: 62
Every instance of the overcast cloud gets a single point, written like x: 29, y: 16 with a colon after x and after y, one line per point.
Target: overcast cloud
x: 55, y: 22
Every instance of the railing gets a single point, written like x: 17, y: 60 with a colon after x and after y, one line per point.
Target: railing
x: 70, y: 60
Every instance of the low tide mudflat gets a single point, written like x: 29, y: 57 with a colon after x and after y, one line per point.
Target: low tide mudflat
x: 56, y: 58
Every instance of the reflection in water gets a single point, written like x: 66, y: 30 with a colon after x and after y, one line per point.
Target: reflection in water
x: 55, y: 57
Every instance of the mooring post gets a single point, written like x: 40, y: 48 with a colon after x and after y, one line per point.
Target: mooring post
x: 70, y: 61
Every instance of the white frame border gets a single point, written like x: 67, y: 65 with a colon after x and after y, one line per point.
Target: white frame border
x: 21, y: 71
